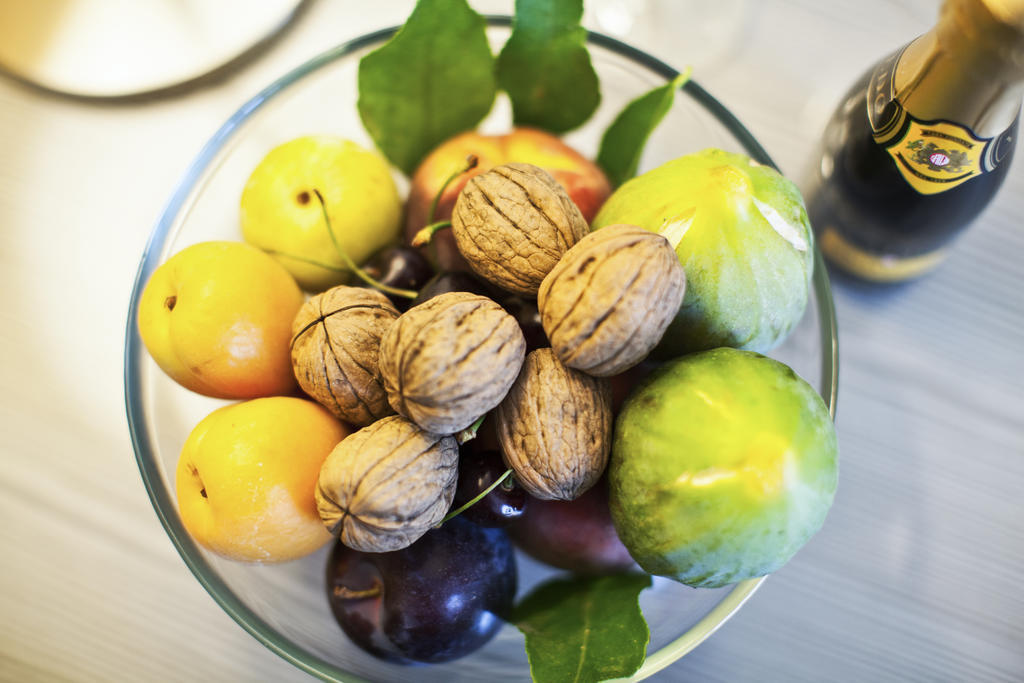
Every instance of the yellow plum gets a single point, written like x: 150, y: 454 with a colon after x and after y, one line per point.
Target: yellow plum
x: 217, y: 318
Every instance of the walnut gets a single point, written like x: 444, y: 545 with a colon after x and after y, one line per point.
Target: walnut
x: 513, y: 223
x: 387, y: 484
x: 555, y: 428
x: 335, y: 342
x: 451, y: 359
x: 607, y: 303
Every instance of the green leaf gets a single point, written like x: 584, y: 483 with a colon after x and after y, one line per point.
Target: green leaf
x: 433, y: 79
x: 624, y: 140
x: 545, y: 66
x: 584, y: 629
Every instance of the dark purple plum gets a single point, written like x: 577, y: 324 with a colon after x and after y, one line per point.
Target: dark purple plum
x: 402, y: 267
x: 526, y: 314
x: 577, y: 535
x: 455, y: 281
x: 439, y: 599
x: 477, y: 471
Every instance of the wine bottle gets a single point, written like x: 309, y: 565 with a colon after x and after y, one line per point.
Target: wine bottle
x: 921, y: 143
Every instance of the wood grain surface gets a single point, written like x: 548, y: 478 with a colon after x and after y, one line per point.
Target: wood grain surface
x: 915, y: 576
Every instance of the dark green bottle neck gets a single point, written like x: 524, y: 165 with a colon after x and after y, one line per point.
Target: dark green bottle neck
x: 968, y: 69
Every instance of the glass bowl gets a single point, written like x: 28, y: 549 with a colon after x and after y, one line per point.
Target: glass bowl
x: 284, y: 606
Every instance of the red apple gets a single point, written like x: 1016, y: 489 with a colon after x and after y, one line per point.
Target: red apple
x: 582, y: 179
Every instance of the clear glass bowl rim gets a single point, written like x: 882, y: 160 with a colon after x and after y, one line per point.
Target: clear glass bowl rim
x: 134, y: 356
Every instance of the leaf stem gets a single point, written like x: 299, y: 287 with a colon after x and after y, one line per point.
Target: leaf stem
x: 360, y: 273
x: 680, y: 80
x: 477, y: 499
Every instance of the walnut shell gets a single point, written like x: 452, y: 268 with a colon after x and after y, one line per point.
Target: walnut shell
x: 513, y: 223
x: 555, y: 428
x: 608, y: 302
x: 449, y: 360
x: 335, y: 344
x: 387, y: 484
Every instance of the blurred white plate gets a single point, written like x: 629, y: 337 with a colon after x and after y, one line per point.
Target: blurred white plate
x: 115, y: 48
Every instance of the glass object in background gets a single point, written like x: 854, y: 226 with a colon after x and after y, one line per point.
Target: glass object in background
x: 113, y: 48
x: 922, y: 143
x: 285, y: 606
x: 683, y: 32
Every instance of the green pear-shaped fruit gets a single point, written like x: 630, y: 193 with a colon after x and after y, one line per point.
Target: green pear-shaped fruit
x: 723, y: 465
x: 742, y: 235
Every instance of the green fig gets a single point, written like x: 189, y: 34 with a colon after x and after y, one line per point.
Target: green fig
x: 724, y: 464
x: 741, y: 232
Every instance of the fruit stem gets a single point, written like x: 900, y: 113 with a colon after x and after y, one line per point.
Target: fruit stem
x: 477, y: 499
x: 312, y: 262
x: 426, y: 234
x: 469, y: 433
x: 346, y: 593
x: 360, y: 273
x: 471, y: 162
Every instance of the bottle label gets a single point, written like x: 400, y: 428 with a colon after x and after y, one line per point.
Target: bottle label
x: 935, y: 156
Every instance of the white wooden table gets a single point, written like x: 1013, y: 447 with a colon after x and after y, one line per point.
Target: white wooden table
x: 914, y: 577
